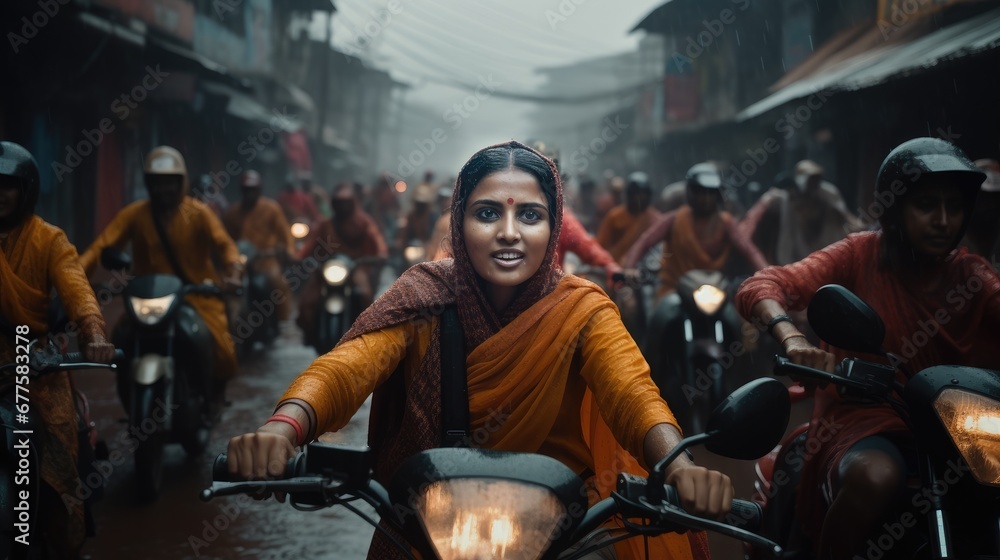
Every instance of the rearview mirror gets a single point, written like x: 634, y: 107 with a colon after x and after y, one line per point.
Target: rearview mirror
x: 843, y: 320
x: 751, y: 421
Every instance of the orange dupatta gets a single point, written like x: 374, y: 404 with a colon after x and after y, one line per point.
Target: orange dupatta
x: 523, y: 369
x: 22, y: 303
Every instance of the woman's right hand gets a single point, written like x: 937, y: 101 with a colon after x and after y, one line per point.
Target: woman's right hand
x: 800, y: 351
x: 261, y: 455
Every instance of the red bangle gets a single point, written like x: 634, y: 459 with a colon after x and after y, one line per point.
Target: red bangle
x: 299, y: 432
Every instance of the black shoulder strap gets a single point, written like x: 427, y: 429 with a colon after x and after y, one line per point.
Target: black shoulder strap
x: 169, y: 250
x: 454, y: 385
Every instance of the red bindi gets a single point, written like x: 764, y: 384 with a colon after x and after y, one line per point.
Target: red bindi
x: 510, y: 201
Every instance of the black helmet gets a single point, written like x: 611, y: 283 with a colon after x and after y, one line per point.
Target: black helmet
x: 912, y: 162
x: 705, y: 175
x: 915, y: 160
x: 638, y: 180
x: 17, y: 162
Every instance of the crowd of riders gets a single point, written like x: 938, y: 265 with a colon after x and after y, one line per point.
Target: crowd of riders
x: 938, y: 232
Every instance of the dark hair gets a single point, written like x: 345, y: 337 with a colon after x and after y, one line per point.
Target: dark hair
x: 512, y: 155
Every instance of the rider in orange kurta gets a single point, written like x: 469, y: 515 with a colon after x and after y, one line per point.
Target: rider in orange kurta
x: 36, y: 257
x: 620, y: 229
x: 194, y: 233
x: 261, y: 221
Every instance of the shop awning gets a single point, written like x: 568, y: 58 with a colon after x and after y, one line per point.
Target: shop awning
x: 830, y: 72
x: 245, y: 107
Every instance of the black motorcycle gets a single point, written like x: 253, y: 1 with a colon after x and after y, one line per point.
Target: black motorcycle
x: 475, y: 503
x: 952, y: 509
x: 169, y: 388
x: 692, y: 344
x: 257, y: 315
x: 20, y: 465
x: 340, y: 304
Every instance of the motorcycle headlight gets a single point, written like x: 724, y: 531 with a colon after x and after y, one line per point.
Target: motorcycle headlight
x: 973, y: 422
x: 569, y: 268
x: 413, y: 253
x: 335, y: 272
x: 150, y: 311
x: 467, y: 519
x: 243, y: 259
x: 299, y: 230
x: 709, y: 299
x: 334, y: 304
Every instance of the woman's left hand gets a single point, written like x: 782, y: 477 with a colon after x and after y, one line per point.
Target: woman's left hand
x: 702, y: 492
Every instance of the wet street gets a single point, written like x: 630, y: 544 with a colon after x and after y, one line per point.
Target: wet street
x: 179, y: 525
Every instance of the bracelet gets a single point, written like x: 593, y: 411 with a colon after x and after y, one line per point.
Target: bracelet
x: 775, y: 320
x: 793, y: 335
x: 299, y: 432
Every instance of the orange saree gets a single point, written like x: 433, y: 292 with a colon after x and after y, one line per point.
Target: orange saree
x: 535, y: 386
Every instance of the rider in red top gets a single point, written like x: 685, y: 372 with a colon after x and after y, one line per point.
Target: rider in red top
x: 939, y: 306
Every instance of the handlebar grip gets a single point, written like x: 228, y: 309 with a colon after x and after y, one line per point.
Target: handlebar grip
x: 220, y: 468
x: 745, y: 515
x: 742, y: 513
x: 76, y: 357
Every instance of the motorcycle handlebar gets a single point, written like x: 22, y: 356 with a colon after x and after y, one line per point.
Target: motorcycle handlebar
x: 743, y: 514
x: 784, y: 366
x: 64, y: 362
x: 220, y: 468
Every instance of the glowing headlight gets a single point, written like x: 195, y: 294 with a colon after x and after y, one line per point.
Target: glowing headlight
x: 335, y: 272
x: 243, y: 259
x: 299, y: 230
x: 150, y: 311
x: 468, y: 519
x: 413, y: 253
x: 709, y: 299
x: 334, y: 304
x: 973, y: 422
x: 569, y: 268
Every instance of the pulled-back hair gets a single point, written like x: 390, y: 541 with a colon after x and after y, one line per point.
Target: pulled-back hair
x: 512, y: 155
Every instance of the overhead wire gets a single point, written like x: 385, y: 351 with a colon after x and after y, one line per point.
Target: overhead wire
x: 457, y: 77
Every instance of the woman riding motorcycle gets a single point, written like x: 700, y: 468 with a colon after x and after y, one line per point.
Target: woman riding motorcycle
x: 940, y: 306
x: 543, y: 352
x: 34, y: 258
